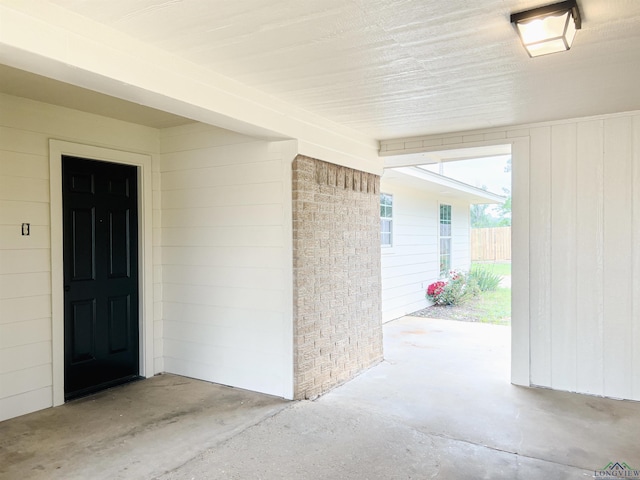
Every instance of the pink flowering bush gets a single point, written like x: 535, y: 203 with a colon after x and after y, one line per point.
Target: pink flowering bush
x: 455, y: 289
x: 435, y: 289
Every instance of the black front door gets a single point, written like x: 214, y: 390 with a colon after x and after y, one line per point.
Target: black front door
x: 100, y: 275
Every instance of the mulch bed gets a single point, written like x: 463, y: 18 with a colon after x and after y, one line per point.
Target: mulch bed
x: 464, y: 312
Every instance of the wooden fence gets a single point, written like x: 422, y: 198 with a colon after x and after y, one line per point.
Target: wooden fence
x: 491, y: 244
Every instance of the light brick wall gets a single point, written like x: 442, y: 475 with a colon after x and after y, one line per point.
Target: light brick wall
x: 336, y: 255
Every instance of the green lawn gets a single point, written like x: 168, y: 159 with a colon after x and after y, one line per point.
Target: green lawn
x: 487, y: 307
x: 499, y: 268
x: 494, y: 307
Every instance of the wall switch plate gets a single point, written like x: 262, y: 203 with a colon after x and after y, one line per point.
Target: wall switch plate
x: 26, y: 229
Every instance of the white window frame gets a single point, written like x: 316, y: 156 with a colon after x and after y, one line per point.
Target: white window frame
x: 386, y: 220
x: 443, y: 273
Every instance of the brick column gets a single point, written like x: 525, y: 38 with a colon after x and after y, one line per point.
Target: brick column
x: 336, y: 263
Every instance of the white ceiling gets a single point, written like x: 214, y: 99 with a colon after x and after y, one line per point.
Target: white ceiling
x: 396, y: 68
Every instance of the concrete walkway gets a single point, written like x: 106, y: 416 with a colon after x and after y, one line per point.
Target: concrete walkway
x: 439, y: 406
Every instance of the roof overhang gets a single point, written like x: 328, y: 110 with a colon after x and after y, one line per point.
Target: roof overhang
x: 421, y: 179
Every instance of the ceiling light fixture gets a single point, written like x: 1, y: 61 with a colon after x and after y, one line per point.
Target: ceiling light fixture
x: 548, y: 29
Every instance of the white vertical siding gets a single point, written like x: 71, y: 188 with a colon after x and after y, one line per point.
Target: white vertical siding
x: 618, y: 254
x: 25, y: 261
x: 540, y: 246
x: 589, y: 249
x: 226, y: 258
x: 563, y: 258
x: 584, y: 256
x: 521, y: 263
x: 412, y: 262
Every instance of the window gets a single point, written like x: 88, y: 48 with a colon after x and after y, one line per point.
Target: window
x: 386, y: 219
x: 445, y: 239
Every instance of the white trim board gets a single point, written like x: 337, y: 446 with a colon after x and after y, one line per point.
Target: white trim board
x: 480, y: 140
x: 58, y: 148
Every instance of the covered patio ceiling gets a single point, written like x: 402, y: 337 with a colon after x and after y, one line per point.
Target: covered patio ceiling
x: 389, y: 68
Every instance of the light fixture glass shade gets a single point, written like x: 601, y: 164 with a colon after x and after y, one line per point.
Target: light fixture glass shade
x: 548, y: 29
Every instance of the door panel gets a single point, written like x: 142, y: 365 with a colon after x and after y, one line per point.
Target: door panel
x: 100, y: 275
x: 119, y: 319
x: 82, y: 232
x: 119, y: 260
x: 83, y: 330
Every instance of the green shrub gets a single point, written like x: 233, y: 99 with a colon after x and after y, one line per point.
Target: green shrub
x: 455, y: 289
x: 485, y: 279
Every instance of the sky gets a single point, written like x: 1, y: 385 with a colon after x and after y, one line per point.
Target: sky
x: 479, y: 172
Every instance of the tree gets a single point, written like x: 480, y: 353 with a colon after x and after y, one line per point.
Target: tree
x: 480, y: 216
x: 486, y: 216
x: 504, y: 210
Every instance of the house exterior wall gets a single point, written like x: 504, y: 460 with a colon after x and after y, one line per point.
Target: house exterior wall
x: 220, y: 230
x: 412, y: 262
x: 336, y: 251
x: 576, y: 250
x: 226, y: 258
x: 25, y: 261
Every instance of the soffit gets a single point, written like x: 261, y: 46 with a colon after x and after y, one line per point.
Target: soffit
x: 29, y: 85
x: 396, y: 68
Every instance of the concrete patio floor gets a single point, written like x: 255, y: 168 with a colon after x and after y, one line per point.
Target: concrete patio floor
x: 439, y: 406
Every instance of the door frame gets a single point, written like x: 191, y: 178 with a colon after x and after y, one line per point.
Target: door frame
x: 519, y: 141
x: 58, y: 148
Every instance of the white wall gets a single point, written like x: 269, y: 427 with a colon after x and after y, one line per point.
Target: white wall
x: 222, y: 311
x: 25, y: 261
x: 585, y: 250
x: 412, y: 262
x: 227, y: 259
x: 576, y: 249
